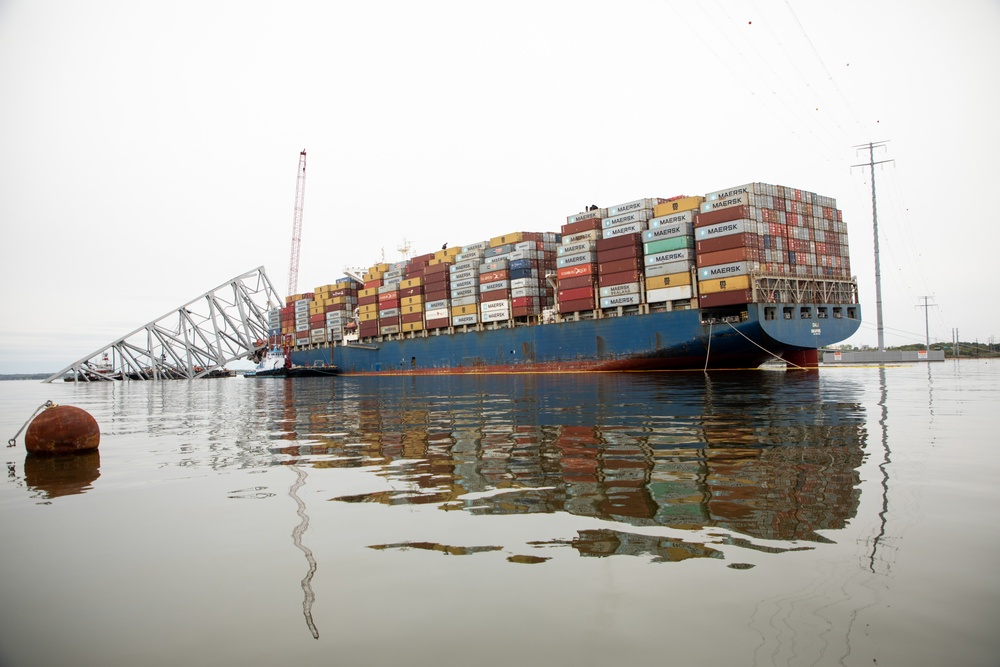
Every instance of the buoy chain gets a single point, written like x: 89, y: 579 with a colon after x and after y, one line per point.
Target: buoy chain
x: 44, y: 406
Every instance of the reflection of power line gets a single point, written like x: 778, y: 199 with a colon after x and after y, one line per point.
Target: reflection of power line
x: 310, y: 597
x: 883, y: 467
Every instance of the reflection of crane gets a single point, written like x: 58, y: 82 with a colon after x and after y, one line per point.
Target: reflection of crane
x: 300, y: 194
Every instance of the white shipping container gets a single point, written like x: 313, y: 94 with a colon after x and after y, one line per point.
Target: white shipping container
x: 517, y: 292
x: 749, y: 188
x: 436, y: 314
x: 497, y: 304
x: 619, y: 290
x: 722, y: 229
x: 632, y: 216
x: 463, y: 275
x: 572, y: 249
x: 586, y: 215
x: 299, y: 328
x: 623, y: 230
x: 532, y: 281
x: 434, y: 305
x: 623, y: 300
x: 390, y: 329
x: 589, y: 235
x: 668, y: 257
x: 636, y: 205
x: 728, y: 202
x: 725, y: 270
x: 460, y: 284
x: 459, y: 320
x: 388, y: 312
x: 495, y: 285
x: 669, y: 294
x: 469, y: 264
x: 472, y: 247
x: 575, y: 260
x: 302, y: 304
x: 464, y: 292
x: 668, y: 231
x: 494, y: 264
x: 336, y: 335
x: 496, y: 315
x: 684, y: 266
x: 672, y: 219
x: 465, y: 300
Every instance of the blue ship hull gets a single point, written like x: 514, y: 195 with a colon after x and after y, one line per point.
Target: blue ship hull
x: 743, y: 337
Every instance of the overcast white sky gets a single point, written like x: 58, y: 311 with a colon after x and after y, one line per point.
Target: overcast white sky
x: 148, y: 151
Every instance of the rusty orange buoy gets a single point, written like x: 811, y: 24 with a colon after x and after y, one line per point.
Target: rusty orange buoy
x: 62, y: 429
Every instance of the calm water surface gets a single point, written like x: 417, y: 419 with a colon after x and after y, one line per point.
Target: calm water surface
x: 768, y: 518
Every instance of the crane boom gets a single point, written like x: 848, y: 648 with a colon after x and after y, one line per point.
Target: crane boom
x: 300, y: 194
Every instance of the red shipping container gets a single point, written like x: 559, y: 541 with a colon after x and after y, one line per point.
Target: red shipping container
x: 318, y: 320
x: 727, y: 256
x: 524, y: 311
x: 436, y: 295
x: 622, y: 241
x: 581, y: 226
x: 435, y: 269
x: 439, y: 323
x: 367, y: 300
x: 578, y: 281
x: 616, y: 254
x: 522, y: 301
x: 576, y: 294
x: 373, y: 283
x: 578, y: 270
x: 620, y: 278
x: 722, y: 215
x: 724, y: 243
x: 494, y: 295
x: 493, y: 276
x: 574, y: 306
x: 409, y: 318
x: 437, y: 282
x: 411, y: 291
x: 388, y: 296
x: 619, y: 265
x: 387, y: 321
x: 725, y: 298
x: 388, y: 303
x: 368, y: 328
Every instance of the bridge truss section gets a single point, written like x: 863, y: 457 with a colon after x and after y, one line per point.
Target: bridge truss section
x: 196, y: 340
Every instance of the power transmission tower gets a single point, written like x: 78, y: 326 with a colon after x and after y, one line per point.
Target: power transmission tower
x: 300, y: 195
x: 871, y: 146
x: 927, y: 331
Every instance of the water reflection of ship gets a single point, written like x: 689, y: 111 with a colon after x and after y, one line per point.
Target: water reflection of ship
x: 779, y: 462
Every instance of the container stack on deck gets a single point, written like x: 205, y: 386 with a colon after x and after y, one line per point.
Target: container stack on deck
x: 766, y: 229
x: 676, y: 253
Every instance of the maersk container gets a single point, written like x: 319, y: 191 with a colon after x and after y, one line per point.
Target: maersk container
x: 668, y: 231
x: 590, y: 235
x: 669, y: 294
x: 464, y: 292
x: 626, y: 218
x: 619, y: 290
x: 587, y: 215
x: 463, y: 275
x: 631, y: 228
x: 667, y: 245
x: 517, y: 292
x: 637, y: 205
x: 462, y: 284
x: 728, y: 202
x: 723, y: 229
x: 575, y: 248
x: 623, y: 300
x: 669, y: 257
x: 725, y: 270
x: 577, y: 259
x: 735, y: 191
x: 468, y: 318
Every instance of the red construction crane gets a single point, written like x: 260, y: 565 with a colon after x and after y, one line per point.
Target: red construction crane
x: 300, y: 194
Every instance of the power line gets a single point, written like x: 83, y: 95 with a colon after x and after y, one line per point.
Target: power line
x: 878, y: 272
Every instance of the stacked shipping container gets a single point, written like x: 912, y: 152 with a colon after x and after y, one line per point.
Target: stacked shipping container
x: 676, y: 253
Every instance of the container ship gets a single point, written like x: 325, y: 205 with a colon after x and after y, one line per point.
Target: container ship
x: 731, y: 279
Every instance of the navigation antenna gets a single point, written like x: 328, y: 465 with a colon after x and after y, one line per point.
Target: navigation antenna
x: 405, y: 249
x: 300, y: 194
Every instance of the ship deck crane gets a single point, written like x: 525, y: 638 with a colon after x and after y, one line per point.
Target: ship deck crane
x: 300, y: 194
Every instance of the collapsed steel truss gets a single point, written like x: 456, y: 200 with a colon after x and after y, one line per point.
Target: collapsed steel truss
x: 196, y: 340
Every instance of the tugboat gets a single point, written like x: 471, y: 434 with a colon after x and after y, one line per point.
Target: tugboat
x: 277, y: 364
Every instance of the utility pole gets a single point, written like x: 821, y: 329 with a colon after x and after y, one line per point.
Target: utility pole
x: 871, y: 146
x: 927, y: 330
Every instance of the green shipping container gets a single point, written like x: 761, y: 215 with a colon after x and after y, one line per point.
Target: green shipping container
x: 666, y: 245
